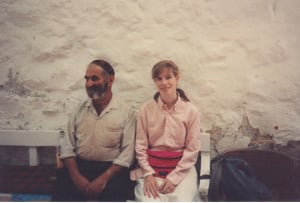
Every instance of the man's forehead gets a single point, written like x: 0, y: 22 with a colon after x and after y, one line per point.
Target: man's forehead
x: 94, y: 69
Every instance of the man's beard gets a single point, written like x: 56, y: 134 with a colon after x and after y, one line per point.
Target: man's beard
x: 96, y: 92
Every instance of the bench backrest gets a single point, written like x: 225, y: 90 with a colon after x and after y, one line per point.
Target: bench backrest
x: 32, y: 140
x: 204, y: 166
x: 29, y: 138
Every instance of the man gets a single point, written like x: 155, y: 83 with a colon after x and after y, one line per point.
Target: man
x: 99, y: 146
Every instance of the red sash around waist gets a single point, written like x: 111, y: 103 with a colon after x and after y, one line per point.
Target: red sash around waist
x: 163, y: 162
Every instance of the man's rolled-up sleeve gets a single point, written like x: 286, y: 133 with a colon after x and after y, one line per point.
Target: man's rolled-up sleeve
x: 126, y: 155
x: 67, y: 147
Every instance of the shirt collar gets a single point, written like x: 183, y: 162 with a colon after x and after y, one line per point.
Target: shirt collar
x: 178, y: 105
x: 113, y: 104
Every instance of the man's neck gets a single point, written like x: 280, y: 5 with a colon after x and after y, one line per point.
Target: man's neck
x: 101, y: 103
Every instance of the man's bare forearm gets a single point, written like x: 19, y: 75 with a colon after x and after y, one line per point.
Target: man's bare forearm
x: 78, y: 179
x: 112, y: 171
x: 72, y: 167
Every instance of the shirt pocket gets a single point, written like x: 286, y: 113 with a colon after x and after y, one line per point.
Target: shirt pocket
x: 111, y: 136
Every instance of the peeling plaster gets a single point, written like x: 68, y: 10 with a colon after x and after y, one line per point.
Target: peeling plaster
x: 13, y: 86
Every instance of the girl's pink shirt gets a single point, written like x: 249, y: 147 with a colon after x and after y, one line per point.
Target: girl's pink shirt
x: 175, y: 130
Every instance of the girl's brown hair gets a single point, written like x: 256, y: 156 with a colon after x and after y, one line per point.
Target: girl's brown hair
x: 171, y: 66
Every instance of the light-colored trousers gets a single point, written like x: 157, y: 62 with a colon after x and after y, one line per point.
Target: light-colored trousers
x: 185, y: 191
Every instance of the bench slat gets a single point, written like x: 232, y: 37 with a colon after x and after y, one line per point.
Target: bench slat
x: 29, y: 138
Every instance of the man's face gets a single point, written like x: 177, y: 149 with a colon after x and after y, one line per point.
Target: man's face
x: 96, y: 83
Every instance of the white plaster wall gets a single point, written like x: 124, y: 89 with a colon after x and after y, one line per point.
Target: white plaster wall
x: 236, y: 57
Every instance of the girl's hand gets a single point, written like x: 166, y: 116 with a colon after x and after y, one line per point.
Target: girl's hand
x: 166, y: 187
x: 150, y: 187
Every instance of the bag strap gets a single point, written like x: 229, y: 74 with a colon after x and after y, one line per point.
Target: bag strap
x: 215, y: 179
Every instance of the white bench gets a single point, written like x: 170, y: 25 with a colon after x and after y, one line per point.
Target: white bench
x: 204, y: 166
x: 32, y: 140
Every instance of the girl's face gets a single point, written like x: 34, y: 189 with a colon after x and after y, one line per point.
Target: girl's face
x: 166, y: 82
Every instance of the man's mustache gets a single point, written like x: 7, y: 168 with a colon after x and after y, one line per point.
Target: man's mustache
x: 93, y: 88
x: 99, y: 89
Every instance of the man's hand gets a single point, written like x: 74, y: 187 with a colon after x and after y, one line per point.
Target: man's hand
x: 82, y: 184
x: 90, y: 189
x: 79, y: 181
x: 166, y: 187
x: 150, y: 187
x: 97, y: 185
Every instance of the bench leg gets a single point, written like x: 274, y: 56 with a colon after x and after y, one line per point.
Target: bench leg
x: 33, y: 156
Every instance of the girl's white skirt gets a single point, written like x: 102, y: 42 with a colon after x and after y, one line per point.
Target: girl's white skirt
x: 185, y: 191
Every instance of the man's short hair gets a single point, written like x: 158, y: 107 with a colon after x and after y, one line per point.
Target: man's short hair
x: 104, y: 65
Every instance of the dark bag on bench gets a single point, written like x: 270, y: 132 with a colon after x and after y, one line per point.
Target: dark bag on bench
x: 232, y: 180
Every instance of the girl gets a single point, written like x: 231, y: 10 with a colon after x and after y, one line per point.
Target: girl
x: 167, y: 141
